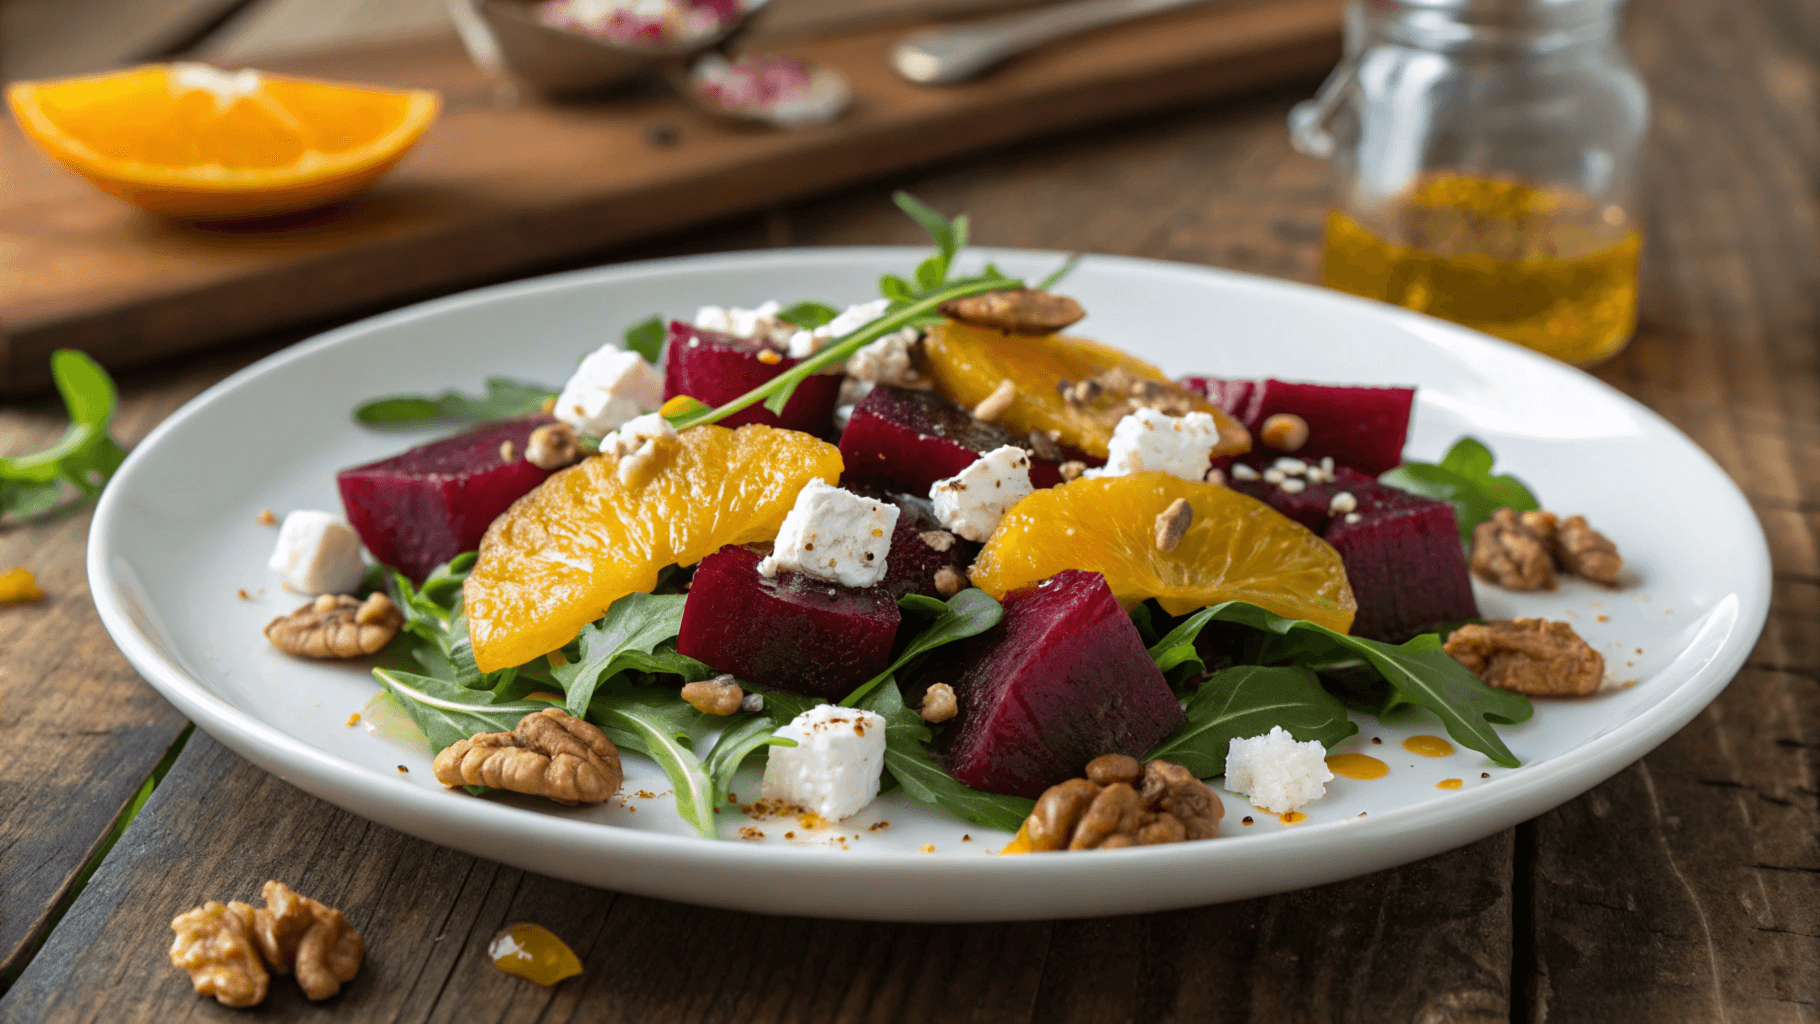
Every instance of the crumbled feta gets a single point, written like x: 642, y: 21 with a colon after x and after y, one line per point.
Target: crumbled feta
x: 833, y: 770
x: 1275, y: 772
x: 971, y: 502
x: 610, y: 387
x: 834, y: 535
x: 1149, y: 441
x: 318, y: 553
x: 761, y: 324
x: 637, y: 443
x: 808, y: 342
x: 889, y: 360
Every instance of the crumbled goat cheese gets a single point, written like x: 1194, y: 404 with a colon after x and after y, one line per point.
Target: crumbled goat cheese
x: 1149, y: 441
x: 318, y: 553
x: 889, y: 360
x: 610, y: 387
x: 971, y: 502
x: 834, y: 535
x: 636, y: 444
x: 1275, y: 772
x: 761, y: 324
x: 804, y: 343
x: 833, y: 770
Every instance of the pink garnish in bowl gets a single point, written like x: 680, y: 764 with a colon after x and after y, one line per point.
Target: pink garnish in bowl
x: 657, y: 24
x: 783, y: 91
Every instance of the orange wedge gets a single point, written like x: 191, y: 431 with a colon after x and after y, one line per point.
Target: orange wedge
x: 585, y: 537
x: 1236, y: 549
x: 196, y: 143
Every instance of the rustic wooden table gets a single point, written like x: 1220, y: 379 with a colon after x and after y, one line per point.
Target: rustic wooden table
x: 1686, y: 888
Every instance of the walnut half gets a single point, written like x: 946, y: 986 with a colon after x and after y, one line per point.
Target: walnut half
x: 1523, y: 552
x: 550, y: 754
x: 1529, y: 656
x: 1016, y: 310
x: 215, y: 945
x: 337, y: 626
x: 229, y: 949
x: 1120, y: 804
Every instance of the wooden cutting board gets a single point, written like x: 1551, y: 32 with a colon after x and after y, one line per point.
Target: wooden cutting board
x: 497, y: 189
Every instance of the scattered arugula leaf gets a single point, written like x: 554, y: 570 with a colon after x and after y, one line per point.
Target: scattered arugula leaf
x: 646, y: 338
x: 659, y: 724
x: 625, y: 639
x: 683, y: 408
x: 85, y: 456
x: 1056, y: 275
x: 968, y: 613
x: 505, y: 398
x: 909, y: 763
x: 449, y: 712
x: 1248, y: 701
x: 1464, y: 477
x: 809, y: 315
x: 1418, y: 672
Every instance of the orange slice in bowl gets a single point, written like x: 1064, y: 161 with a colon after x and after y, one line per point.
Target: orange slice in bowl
x: 1236, y: 549
x: 197, y: 143
x: 969, y: 362
x: 586, y: 538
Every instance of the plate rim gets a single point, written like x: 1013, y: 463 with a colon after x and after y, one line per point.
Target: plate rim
x: 432, y: 814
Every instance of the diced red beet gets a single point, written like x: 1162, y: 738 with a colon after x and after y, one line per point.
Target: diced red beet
x: 911, y: 566
x: 1063, y: 679
x: 792, y: 633
x: 717, y: 368
x: 903, y: 441
x: 417, y: 510
x: 1361, y: 427
x: 1404, y: 561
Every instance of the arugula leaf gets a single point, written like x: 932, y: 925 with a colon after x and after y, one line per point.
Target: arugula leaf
x: 924, y: 780
x: 968, y: 613
x: 626, y: 639
x: 1418, y: 672
x: 1056, y: 275
x: 1464, y: 477
x: 449, y: 712
x: 736, y: 743
x: 658, y: 724
x: 809, y: 315
x: 85, y: 456
x: 505, y: 398
x: 1248, y: 701
x: 646, y: 338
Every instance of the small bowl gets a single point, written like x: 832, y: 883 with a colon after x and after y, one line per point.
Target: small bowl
x: 557, y: 60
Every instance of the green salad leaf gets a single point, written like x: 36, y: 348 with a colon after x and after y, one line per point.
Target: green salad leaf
x: 627, y: 638
x: 1056, y: 275
x: 969, y: 612
x: 505, y: 398
x: 910, y: 764
x: 646, y: 338
x: 809, y: 314
x: 1464, y: 477
x: 85, y: 457
x: 448, y: 712
x: 659, y: 724
x: 1247, y: 701
x: 1418, y: 672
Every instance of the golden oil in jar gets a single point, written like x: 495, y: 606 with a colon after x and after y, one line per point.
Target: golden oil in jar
x: 1545, y: 268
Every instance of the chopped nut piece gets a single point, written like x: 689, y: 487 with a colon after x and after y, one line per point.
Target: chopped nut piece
x: 1164, y: 803
x: 1510, y: 554
x: 549, y: 754
x: 948, y: 582
x: 1586, y: 552
x: 718, y: 696
x: 1342, y: 503
x: 215, y: 945
x: 1217, y: 476
x: 994, y: 405
x: 770, y: 357
x: 1016, y: 310
x: 508, y: 452
x: 1285, y: 432
x: 1072, y: 469
x: 266, y: 518
x: 938, y: 540
x: 1530, y: 656
x: 752, y: 703
x: 553, y: 446
x: 1043, y: 444
x: 1172, y: 523
x: 297, y: 933
x: 337, y: 626
x: 939, y: 704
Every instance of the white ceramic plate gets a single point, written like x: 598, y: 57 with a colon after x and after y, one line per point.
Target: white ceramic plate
x: 176, y: 537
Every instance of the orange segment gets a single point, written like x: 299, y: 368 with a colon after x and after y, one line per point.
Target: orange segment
x: 968, y: 363
x: 584, y: 538
x: 1236, y: 549
x: 190, y: 141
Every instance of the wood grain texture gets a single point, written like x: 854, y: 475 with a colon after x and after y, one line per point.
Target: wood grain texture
x: 496, y: 189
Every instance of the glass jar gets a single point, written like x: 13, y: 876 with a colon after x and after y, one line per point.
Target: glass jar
x: 1484, y: 156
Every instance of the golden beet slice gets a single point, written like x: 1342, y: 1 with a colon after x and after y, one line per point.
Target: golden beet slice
x: 585, y: 538
x: 1235, y: 549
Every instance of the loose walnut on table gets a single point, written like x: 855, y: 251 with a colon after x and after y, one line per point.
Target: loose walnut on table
x: 229, y: 949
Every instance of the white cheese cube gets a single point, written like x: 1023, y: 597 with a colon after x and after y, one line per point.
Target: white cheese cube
x: 833, y: 770
x: 1148, y: 441
x: 610, y: 387
x: 1275, y: 772
x: 318, y: 553
x: 835, y: 535
x: 971, y: 502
